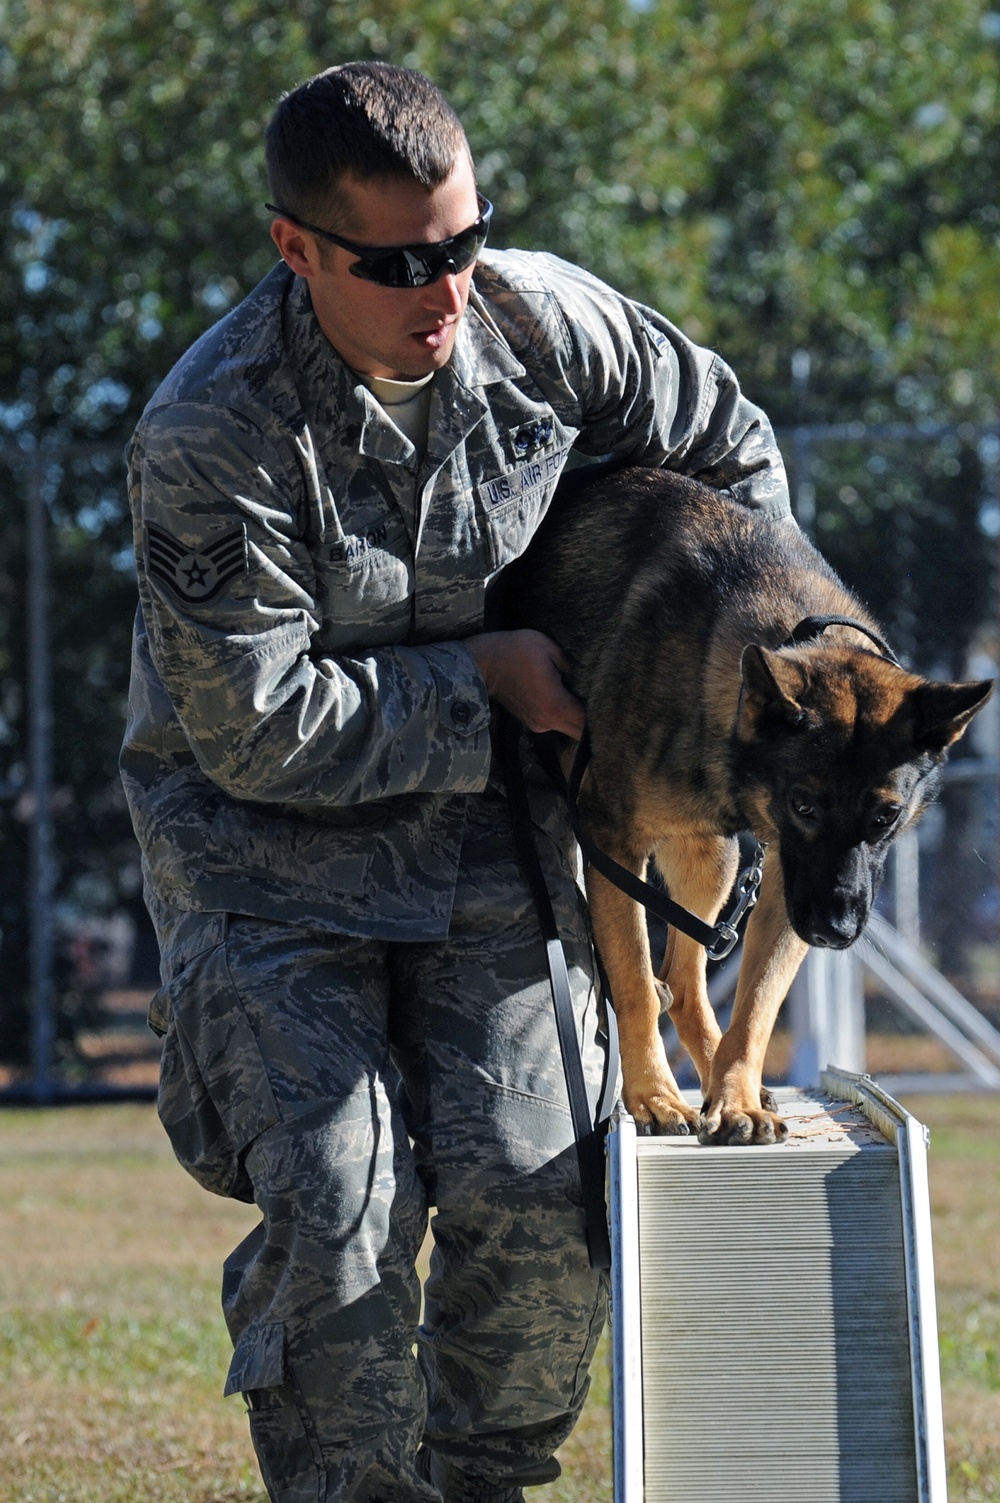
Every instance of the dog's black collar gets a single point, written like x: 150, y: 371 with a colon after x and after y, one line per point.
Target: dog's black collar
x: 718, y: 939
x: 813, y: 626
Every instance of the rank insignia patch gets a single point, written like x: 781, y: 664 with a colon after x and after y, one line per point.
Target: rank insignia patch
x: 532, y: 436
x: 195, y: 575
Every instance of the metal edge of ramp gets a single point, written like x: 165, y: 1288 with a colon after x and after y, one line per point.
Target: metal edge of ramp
x: 909, y: 1138
x: 626, y: 1385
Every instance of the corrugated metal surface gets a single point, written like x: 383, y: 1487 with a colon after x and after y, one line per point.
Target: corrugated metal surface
x: 775, y: 1343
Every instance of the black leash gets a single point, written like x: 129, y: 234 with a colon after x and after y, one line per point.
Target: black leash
x: 719, y: 939
x: 589, y: 1135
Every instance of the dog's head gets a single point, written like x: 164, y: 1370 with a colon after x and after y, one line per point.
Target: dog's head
x: 838, y: 751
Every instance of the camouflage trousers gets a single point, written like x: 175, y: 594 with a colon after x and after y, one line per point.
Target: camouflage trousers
x: 346, y: 1085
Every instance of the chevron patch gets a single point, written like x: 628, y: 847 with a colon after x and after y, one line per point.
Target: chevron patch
x: 194, y: 576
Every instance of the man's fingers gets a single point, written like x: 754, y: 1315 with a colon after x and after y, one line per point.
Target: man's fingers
x: 523, y: 671
x: 548, y: 704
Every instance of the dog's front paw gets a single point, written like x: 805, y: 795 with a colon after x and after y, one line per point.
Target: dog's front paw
x: 730, y: 1118
x: 659, y: 1108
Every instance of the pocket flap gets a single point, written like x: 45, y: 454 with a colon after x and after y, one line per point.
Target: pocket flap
x: 258, y: 1361
x: 158, y: 1016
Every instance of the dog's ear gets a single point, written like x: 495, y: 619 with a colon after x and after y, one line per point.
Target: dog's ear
x: 942, y: 711
x: 772, y: 685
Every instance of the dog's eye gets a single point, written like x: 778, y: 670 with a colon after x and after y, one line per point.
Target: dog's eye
x: 883, y: 819
x: 803, y: 807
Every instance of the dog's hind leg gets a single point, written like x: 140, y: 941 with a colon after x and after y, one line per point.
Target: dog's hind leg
x: 699, y: 871
x: 734, y: 1110
x: 650, y: 1092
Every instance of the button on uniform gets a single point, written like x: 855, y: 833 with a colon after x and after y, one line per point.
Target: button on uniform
x: 461, y: 712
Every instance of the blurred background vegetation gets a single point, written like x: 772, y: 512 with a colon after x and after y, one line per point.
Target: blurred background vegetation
x: 811, y: 186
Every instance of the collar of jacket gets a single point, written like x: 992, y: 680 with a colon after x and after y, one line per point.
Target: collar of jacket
x: 332, y: 395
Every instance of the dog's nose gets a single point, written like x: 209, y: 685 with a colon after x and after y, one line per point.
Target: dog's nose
x: 829, y: 938
x: 837, y: 923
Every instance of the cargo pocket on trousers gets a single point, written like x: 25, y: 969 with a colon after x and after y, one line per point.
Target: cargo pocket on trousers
x: 214, y: 1099
x: 289, y: 1464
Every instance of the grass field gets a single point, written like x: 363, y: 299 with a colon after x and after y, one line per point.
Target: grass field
x: 113, y: 1351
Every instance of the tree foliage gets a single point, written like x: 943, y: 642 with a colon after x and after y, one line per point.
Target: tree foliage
x: 775, y: 175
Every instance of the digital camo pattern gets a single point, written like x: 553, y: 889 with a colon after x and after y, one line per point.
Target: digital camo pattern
x: 304, y: 720
x: 280, y: 1073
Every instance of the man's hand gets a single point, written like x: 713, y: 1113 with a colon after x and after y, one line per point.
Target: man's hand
x: 523, y: 672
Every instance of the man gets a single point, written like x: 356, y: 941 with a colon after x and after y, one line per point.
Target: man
x: 356, y: 1020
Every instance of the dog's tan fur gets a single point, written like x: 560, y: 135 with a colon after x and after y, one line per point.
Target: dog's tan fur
x: 672, y: 603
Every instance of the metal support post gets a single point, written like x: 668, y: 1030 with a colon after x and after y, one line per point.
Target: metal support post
x: 906, y: 878
x: 42, y: 884
x: 828, y: 1016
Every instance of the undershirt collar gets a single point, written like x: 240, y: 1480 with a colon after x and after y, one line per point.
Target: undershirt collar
x: 406, y: 403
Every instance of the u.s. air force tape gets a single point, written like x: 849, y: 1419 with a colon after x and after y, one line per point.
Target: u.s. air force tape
x: 195, y: 575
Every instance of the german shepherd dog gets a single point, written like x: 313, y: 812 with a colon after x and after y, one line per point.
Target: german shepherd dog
x: 674, y: 606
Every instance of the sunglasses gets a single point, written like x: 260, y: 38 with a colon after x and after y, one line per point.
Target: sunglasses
x: 407, y: 265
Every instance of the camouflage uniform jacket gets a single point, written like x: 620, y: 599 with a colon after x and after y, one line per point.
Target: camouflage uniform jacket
x: 304, y: 720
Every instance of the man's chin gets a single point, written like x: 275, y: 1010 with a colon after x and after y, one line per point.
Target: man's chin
x: 426, y: 353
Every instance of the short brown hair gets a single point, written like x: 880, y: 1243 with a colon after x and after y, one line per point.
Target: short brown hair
x: 363, y: 120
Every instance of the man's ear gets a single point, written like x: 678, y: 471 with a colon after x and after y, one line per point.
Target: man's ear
x: 942, y: 711
x: 772, y: 685
x: 296, y: 248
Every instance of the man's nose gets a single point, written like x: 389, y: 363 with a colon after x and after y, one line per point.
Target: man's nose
x: 444, y: 295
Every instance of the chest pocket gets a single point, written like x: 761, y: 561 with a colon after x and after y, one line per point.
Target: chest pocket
x: 514, y: 503
x: 365, y: 589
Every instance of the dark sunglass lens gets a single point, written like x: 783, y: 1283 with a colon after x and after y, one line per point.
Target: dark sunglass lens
x: 411, y: 266
x: 464, y: 249
x: 421, y: 268
x: 404, y: 269
x: 386, y: 271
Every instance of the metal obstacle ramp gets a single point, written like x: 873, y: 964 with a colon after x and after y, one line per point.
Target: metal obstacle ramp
x: 773, y: 1312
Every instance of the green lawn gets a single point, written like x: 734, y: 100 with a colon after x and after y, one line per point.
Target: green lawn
x: 965, y: 1204
x: 113, y: 1351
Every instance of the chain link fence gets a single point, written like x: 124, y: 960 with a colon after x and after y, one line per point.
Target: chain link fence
x: 77, y: 955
